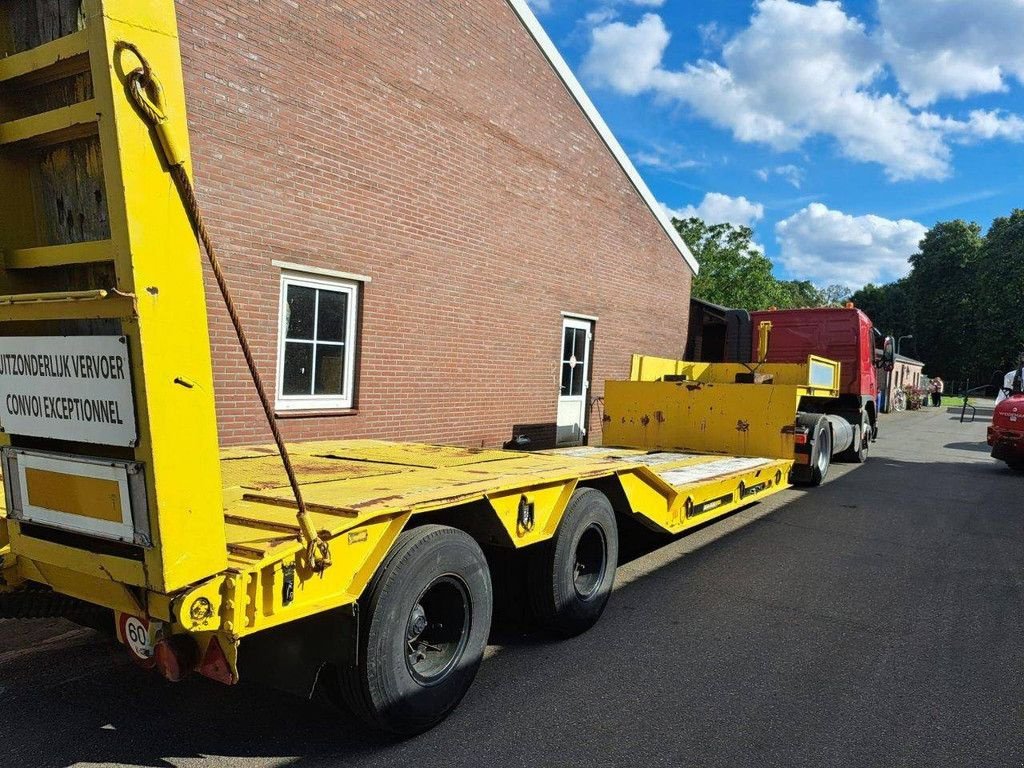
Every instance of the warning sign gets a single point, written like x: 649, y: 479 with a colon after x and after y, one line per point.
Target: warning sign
x: 76, y: 388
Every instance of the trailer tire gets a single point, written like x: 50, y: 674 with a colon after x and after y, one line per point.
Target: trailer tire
x: 433, y: 591
x: 858, y: 454
x: 571, y: 577
x: 814, y: 474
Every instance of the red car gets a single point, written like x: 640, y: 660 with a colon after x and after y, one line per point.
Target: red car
x: 1006, y: 432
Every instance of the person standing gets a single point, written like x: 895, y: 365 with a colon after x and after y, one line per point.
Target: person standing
x: 1014, y: 381
x: 938, y: 387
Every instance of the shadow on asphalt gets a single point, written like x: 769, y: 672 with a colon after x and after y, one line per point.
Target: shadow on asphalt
x: 977, y: 447
x: 840, y: 629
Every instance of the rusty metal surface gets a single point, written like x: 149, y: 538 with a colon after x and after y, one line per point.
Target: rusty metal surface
x: 347, y: 482
x: 265, y: 472
x: 370, y: 479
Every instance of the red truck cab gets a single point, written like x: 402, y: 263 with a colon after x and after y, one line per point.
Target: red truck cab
x: 844, y: 334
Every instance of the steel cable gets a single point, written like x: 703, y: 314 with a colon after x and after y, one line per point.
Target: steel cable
x: 147, y: 94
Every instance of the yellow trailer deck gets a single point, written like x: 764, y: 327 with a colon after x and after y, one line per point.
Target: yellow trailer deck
x: 351, y: 484
x: 362, y: 493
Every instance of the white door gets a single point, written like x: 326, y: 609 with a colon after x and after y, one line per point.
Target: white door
x: 575, y: 381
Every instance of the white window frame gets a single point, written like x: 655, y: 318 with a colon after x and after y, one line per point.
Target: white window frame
x: 317, y: 281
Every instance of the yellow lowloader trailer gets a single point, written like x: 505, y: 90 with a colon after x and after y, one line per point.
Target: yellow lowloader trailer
x: 367, y: 566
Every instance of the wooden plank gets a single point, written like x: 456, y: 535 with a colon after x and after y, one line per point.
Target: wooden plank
x: 32, y: 23
x: 52, y: 127
x: 26, y: 97
x: 69, y: 193
x: 60, y: 255
x: 62, y: 57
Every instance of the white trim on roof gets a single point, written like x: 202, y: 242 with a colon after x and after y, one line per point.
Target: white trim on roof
x: 533, y: 26
x: 907, y: 360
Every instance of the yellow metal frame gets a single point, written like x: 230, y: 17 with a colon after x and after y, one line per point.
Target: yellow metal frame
x: 158, y: 297
x: 685, y: 406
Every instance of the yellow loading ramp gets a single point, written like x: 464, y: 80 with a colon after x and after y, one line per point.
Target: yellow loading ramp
x: 706, y: 408
x: 362, y: 493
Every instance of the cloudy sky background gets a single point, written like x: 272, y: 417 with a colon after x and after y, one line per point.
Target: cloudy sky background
x: 839, y: 131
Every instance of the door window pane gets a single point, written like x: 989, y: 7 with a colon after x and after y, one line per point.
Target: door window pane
x: 331, y: 316
x: 574, y: 354
x: 301, y: 308
x: 330, y: 369
x: 577, y: 381
x: 298, y: 368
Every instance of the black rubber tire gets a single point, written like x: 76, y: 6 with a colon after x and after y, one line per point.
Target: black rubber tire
x: 858, y: 454
x: 567, y: 602
x: 813, y: 475
x: 383, y: 690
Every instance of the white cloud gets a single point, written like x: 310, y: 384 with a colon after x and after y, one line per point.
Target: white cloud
x: 600, y: 16
x: 712, y: 36
x: 830, y: 247
x: 995, y: 125
x: 797, y: 71
x: 626, y: 57
x: 952, y: 48
x: 717, y: 208
x: 791, y: 174
x: 980, y: 125
x: 668, y: 158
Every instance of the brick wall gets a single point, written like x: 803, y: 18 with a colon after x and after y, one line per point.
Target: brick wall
x: 431, y: 147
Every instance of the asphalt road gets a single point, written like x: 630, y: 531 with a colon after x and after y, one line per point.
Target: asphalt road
x: 876, y: 620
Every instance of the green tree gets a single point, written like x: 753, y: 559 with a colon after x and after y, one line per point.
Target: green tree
x: 835, y: 295
x: 733, y: 272
x: 943, y: 291
x: 888, y: 306
x: 795, y: 294
x: 999, y: 300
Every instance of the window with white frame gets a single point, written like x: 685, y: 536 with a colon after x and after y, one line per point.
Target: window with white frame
x: 316, y: 342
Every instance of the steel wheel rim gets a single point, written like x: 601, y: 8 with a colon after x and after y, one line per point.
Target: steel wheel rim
x: 437, y: 630
x: 824, y: 451
x: 590, y: 561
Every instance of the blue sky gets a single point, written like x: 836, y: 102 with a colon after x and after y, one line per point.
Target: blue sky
x: 839, y: 131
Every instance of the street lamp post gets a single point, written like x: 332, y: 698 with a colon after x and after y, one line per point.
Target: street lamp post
x: 901, y: 338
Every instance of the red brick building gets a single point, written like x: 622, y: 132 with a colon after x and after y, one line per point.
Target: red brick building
x: 430, y: 231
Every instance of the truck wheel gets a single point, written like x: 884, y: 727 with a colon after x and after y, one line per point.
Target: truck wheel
x: 571, y: 578
x: 423, y: 629
x: 858, y: 453
x: 813, y: 474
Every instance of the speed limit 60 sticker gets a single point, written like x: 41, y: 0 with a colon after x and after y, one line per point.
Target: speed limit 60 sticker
x: 136, y: 634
